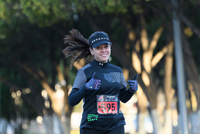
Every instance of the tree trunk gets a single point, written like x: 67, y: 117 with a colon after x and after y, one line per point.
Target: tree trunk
x: 195, y: 122
x: 168, y: 122
x: 168, y: 87
x: 157, y: 127
x: 66, y: 124
x: 142, y: 106
x: 141, y: 119
x: 191, y: 69
x: 193, y: 76
x: 48, y: 123
x: 3, y: 127
x: 57, y: 129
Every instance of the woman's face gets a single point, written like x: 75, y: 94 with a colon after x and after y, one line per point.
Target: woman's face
x: 101, y: 53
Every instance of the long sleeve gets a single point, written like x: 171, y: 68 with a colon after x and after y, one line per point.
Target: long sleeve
x: 78, y: 89
x: 125, y: 95
x: 76, y: 96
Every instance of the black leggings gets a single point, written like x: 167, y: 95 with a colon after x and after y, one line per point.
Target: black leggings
x: 118, y: 130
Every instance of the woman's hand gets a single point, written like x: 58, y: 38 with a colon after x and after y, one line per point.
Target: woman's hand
x: 93, y: 84
x: 133, y: 84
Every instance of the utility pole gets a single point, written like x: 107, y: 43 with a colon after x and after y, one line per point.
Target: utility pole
x: 180, y: 71
x: 0, y: 96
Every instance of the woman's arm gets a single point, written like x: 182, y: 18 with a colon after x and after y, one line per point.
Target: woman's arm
x: 78, y: 93
x: 125, y: 95
x: 78, y: 89
x: 76, y: 96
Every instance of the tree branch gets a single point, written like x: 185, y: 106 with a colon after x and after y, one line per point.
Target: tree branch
x: 184, y: 19
x: 158, y: 56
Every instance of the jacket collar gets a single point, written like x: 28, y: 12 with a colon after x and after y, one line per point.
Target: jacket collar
x: 100, y: 63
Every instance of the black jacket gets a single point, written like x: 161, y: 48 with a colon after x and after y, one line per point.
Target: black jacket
x: 112, y: 83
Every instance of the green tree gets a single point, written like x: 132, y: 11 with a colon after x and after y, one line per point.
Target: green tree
x: 134, y: 28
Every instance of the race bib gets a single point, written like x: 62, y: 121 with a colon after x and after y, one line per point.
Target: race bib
x: 107, y: 104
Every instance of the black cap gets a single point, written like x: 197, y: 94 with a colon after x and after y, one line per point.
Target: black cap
x: 98, y: 38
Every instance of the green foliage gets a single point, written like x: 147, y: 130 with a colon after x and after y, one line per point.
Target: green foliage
x: 111, y: 6
x: 104, y: 6
x: 195, y: 1
x: 32, y: 32
x: 44, y: 13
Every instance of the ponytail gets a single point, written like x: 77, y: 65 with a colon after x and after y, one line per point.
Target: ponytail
x: 77, y: 47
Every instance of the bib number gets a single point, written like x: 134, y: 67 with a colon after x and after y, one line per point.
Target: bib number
x: 107, y: 104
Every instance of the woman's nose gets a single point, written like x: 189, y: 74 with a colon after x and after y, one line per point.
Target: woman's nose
x: 103, y: 49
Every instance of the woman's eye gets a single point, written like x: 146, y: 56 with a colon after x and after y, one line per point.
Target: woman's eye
x: 106, y: 46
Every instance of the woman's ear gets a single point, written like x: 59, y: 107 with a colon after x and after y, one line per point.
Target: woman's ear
x: 91, y: 50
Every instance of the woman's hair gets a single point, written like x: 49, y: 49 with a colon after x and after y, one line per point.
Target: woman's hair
x: 77, y: 47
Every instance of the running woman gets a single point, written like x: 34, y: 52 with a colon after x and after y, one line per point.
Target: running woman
x: 99, y: 83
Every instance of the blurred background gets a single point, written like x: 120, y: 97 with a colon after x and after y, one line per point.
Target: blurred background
x: 35, y: 78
